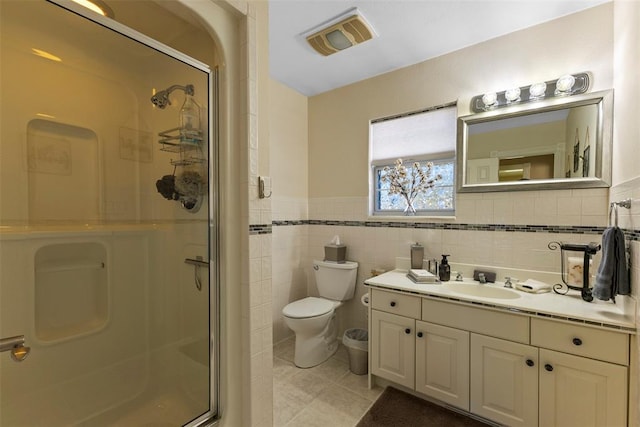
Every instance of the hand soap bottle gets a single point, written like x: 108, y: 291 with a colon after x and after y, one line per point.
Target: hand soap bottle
x: 445, y: 269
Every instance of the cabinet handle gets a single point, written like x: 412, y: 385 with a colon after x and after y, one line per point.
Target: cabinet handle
x: 407, y: 331
x: 419, y: 334
x: 548, y: 367
x: 392, y: 303
x: 530, y: 362
x: 577, y: 341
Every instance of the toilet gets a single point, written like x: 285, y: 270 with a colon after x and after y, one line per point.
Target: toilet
x: 312, y: 319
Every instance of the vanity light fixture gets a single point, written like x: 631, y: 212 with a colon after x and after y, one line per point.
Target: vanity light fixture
x: 570, y: 84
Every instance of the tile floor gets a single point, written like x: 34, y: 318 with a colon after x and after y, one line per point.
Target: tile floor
x: 325, y: 395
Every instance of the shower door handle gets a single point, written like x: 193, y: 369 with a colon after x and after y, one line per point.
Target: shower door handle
x: 16, y: 346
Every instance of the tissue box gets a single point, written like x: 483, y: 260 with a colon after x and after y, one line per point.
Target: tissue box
x: 336, y: 253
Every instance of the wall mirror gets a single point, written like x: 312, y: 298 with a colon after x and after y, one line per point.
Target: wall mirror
x: 557, y: 143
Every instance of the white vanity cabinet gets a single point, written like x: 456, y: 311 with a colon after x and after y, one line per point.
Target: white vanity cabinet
x: 442, y: 363
x: 589, y: 386
x: 428, y: 358
x: 515, y: 369
x: 392, y: 342
x: 504, y: 381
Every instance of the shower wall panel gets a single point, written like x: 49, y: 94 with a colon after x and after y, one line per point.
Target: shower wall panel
x: 109, y: 361
x: 92, y: 106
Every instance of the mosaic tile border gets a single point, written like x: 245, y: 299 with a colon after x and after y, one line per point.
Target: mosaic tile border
x: 260, y: 229
x: 553, y: 229
x: 514, y: 310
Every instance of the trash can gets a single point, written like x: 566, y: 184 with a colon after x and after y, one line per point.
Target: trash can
x: 357, y: 342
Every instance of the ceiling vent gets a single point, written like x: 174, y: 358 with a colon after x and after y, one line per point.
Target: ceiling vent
x: 336, y: 36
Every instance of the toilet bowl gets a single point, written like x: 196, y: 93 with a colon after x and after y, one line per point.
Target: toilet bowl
x: 312, y: 319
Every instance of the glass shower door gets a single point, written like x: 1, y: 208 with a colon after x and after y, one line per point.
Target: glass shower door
x: 107, y: 302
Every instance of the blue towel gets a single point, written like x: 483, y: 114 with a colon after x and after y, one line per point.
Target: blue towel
x: 612, y: 277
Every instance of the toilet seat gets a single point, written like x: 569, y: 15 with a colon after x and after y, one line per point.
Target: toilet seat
x: 308, y: 307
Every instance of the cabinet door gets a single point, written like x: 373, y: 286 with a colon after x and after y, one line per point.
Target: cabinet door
x: 581, y: 392
x: 442, y: 363
x: 393, y: 347
x: 504, y: 381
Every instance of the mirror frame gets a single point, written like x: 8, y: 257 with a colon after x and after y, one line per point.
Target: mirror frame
x: 603, y: 143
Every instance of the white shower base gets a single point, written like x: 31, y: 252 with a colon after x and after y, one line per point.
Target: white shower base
x: 177, y: 389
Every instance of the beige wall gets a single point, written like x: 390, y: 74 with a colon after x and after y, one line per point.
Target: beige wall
x: 288, y: 128
x: 339, y: 119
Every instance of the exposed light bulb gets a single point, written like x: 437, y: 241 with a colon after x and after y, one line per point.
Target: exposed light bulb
x: 565, y: 84
x: 490, y: 99
x: 512, y: 95
x: 537, y: 90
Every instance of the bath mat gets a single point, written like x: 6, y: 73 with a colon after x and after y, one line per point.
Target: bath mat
x: 396, y: 408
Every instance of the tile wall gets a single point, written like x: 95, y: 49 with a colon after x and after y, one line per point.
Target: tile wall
x: 256, y: 242
x: 290, y: 259
x: 498, y: 229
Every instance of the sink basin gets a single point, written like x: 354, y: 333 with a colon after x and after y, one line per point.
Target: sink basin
x: 483, y: 291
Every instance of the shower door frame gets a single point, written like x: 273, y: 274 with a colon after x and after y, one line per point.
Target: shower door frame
x: 212, y: 415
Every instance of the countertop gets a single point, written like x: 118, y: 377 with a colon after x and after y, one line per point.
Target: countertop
x: 570, y: 307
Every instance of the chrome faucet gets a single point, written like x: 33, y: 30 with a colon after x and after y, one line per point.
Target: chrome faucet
x: 507, y: 282
x: 458, y: 277
x: 481, y: 278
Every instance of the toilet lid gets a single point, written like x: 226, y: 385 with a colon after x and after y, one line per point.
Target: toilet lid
x: 308, y: 307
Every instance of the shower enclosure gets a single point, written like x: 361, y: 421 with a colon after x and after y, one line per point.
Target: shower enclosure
x: 108, y: 281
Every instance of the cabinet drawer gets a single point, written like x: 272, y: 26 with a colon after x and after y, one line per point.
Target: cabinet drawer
x: 391, y: 302
x: 581, y: 340
x: 483, y: 321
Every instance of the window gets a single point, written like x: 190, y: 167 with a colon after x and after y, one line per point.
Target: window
x: 427, y: 137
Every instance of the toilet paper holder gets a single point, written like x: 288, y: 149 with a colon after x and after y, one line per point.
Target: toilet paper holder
x: 575, y: 260
x: 365, y: 299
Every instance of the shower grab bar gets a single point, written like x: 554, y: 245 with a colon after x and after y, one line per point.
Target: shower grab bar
x: 197, y: 263
x: 68, y: 267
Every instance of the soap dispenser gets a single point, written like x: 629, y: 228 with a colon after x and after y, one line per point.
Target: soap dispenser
x: 445, y: 269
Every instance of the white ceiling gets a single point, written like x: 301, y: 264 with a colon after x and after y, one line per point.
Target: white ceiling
x: 409, y: 32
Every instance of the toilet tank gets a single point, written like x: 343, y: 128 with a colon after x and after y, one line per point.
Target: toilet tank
x: 336, y: 281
